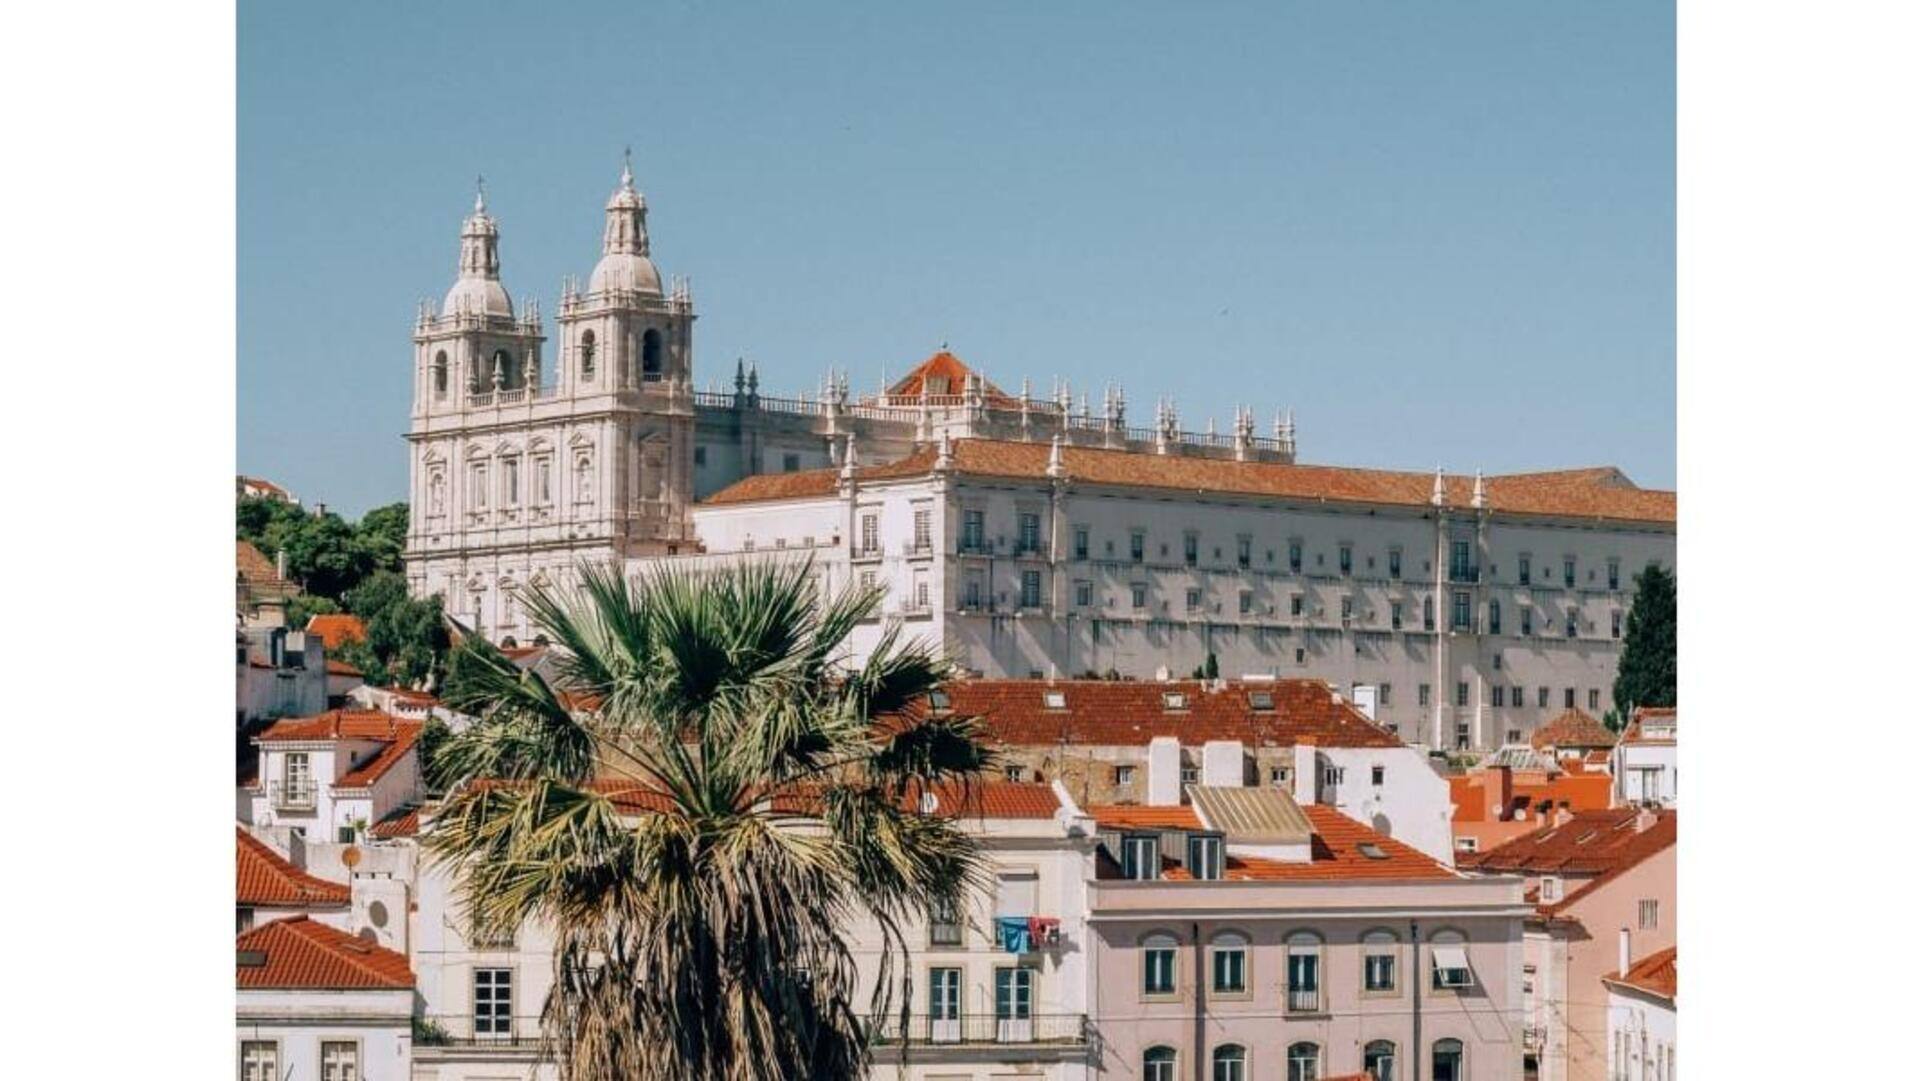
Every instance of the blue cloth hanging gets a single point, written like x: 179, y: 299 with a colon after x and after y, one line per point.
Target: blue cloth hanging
x: 1015, y: 936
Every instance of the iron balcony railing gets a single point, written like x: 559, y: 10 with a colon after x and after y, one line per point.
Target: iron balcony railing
x: 1057, y: 1029
x: 1304, y: 1000
x: 465, y: 1030
x: 295, y: 795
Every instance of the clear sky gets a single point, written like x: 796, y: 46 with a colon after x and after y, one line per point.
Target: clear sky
x: 1442, y: 234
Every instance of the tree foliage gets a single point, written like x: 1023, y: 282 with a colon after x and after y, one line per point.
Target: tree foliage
x: 326, y: 555
x: 407, y: 639
x: 768, y: 797
x: 1649, y: 655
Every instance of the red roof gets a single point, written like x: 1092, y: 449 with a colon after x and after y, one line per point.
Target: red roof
x: 303, y: 955
x: 1657, y: 973
x: 264, y: 877
x: 1599, y: 843
x: 942, y: 368
x: 1583, y: 493
x: 401, y: 822
x: 1135, y: 817
x: 1653, y: 715
x: 1130, y: 713
x: 1572, y: 729
x: 1575, y: 791
x: 993, y: 799
x: 257, y: 570
x: 336, y: 629
x: 341, y: 668
x: 352, y: 724
x: 1335, y: 849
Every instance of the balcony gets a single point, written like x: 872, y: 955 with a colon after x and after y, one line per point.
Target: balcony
x: 464, y: 1030
x: 1304, y: 1000
x: 975, y: 546
x: 1463, y: 574
x: 297, y: 795
x: 1030, y: 550
x: 1040, y: 1029
x: 867, y: 552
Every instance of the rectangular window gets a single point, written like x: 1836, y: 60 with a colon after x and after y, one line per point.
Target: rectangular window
x: 1649, y: 915
x: 1346, y: 609
x: 1566, y: 571
x: 1083, y: 594
x: 1229, y: 970
x: 922, y: 529
x: 1526, y: 570
x: 1386, y: 694
x: 973, y: 530
x: 1426, y: 695
x: 1426, y: 612
x: 1303, y: 978
x: 1013, y: 994
x: 1460, y: 691
x: 1398, y: 615
x: 259, y: 1060
x: 542, y: 481
x: 1462, y: 610
x: 1379, y: 776
x: 1499, y: 696
x: 869, y: 534
x: 1613, y: 574
x: 1569, y: 699
x: 339, y: 1060
x: 1029, y: 589
x: 1346, y: 559
x: 1029, y: 533
x: 1460, y: 561
x: 1573, y: 623
x: 1139, y: 595
x: 1593, y: 699
x: 1244, y: 553
x: 1616, y: 624
x: 1246, y: 601
x: 943, y: 923
x: 1293, y: 556
x: 1190, y: 548
x: 1526, y: 622
x: 1140, y: 856
x: 1193, y: 600
x: 943, y: 1003
x: 1379, y: 972
x: 478, y: 493
x: 510, y: 482
x: 1297, y: 605
x: 1158, y: 971
x: 1543, y: 696
x: 1123, y: 776
x: 1493, y: 617
x: 493, y: 1002
x: 1080, y: 542
x: 1137, y: 546
x: 975, y: 590
x: 1204, y: 857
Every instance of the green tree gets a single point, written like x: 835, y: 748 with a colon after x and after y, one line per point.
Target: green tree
x: 381, y: 535
x: 407, y: 639
x: 701, y: 936
x: 305, y: 606
x: 1649, y: 655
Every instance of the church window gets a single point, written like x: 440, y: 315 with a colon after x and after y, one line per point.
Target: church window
x: 586, y: 357
x: 440, y: 374
x: 478, y: 495
x: 650, y: 360
x: 542, y: 480
x: 510, y: 482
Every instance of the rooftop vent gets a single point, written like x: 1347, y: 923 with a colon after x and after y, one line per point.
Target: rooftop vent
x: 1372, y: 851
x: 252, y: 958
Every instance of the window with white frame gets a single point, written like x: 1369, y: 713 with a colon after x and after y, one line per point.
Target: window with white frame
x: 259, y: 1060
x: 510, y: 482
x: 1029, y: 533
x: 1159, y: 955
x: 922, y: 528
x: 869, y: 534
x: 1204, y: 856
x: 1029, y: 589
x: 1083, y: 594
x: 1157, y: 1064
x: 1303, y: 972
x: 1380, y: 963
x: 1378, y: 1060
x: 943, y: 922
x: 493, y: 1002
x: 339, y: 1060
x: 1450, y: 969
x: 477, y: 486
x: 1140, y: 856
x: 1230, y: 1063
x: 1123, y: 776
x: 1303, y: 1061
x: 973, y: 530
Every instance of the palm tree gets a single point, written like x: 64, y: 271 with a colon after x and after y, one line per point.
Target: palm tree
x: 698, y: 805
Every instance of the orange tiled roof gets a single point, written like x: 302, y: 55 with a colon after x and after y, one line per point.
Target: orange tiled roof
x: 256, y: 569
x: 942, y: 366
x: 301, y: 954
x: 1599, y: 843
x: 341, y: 668
x: 376, y: 767
x: 1589, y: 493
x: 1574, y: 728
x: 993, y: 799
x: 1133, y: 817
x: 1660, y: 715
x: 1335, y: 848
x: 1657, y: 973
x: 1131, y: 712
x: 400, y: 822
x: 264, y: 877
x: 339, y: 724
x: 1575, y: 791
x: 336, y: 629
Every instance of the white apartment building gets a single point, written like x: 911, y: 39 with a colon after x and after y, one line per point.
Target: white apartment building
x: 313, y: 1001
x: 330, y: 777
x: 1646, y: 762
x: 1643, y: 1039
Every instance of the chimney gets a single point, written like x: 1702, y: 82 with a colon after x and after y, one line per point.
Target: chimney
x: 1626, y: 950
x: 280, y: 564
x: 1163, y: 772
x: 1223, y: 763
x: 1644, y: 820
x: 1562, y: 814
x: 319, y: 510
x: 1497, y: 784
x: 1306, y: 773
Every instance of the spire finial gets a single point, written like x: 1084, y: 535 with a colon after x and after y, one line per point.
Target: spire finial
x: 1479, y: 490
x: 479, y: 194
x: 1056, y: 464
x: 626, y: 169
x: 1439, y: 487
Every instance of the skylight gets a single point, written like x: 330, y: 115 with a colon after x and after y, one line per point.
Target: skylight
x: 1261, y: 700
x: 1056, y: 699
x: 1372, y: 851
x: 939, y: 700
x: 1174, y: 699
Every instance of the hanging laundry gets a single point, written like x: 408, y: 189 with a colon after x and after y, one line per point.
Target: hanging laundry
x: 1015, y: 937
x: 1044, y: 929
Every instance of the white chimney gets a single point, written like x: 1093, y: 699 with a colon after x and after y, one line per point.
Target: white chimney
x: 1306, y: 774
x: 280, y: 563
x: 1163, y: 772
x: 1365, y: 695
x: 1223, y: 762
x: 1626, y: 950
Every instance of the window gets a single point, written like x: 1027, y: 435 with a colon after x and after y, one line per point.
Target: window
x: 339, y: 1060
x: 1303, y: 973
x: 1079, y: 542
x: 1029, y: 533
x: 1303, y: 1062
x: 1137, y: 546
x: 1542, y: 696
x: 1526, y: 622
x: 1426, y: 613
x: 1616, y: 624
x: 1449, y: 1059
x: 1029, y: 589
x: 1649, y: 915
x: 493, y: 1002
x: 922, y: 528
x: 1346, y: 559
x: 975, y: 588
x: 510, y: 482
x: 1157, y: 1064
x: 1566, y: 571
x: 1204, y: 857
x: 1460, y: 692
x: 1499, y: 696
x: 1426, y: 695
x: 1243, y: 554
x: 1297, y: 605
x: 587, y: 349
x: 1613, y: 574
x: 1450, y: 971
x: 1593, y: 699
x: 1393, y: 563
x: 1460, y: 561
x: 973, y: 530
x: 1193, y: 600
x: 1293, y: 556
x: 943, y: 922
x: 1016, y: 773
x: 259, y: 1060
x: 440, y: 374
x: 1159, y: 957
x: 1140, y: 856
x: 943, y: 1004
x: 1378, y: 1060
x: 1573, y: 623
x: 1379, y: 776
x: 1462, y: 610
x: 1386, y: 694
x: 1139, y: 595
x: 477, y: 486
x: 1123, y: 776
x: 1013, y: 995
x: 1229, y: 962
x: 650, y: 356
x: 1397, y: 615
x: 542, y: 481
x: 1230, y: 1063
x: 790, y: 463
x: 1190, y: 548
x: 869, y: 534
x: 1568, y: 697
x: 1246, y: 601
x: 1526, y: 570
x: 1083, y: 593
x: 1493, y: 617
x: 1378, y: 966
x: 1346, y: 609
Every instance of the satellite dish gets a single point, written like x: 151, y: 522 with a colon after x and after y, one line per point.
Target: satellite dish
x: 377, y: 912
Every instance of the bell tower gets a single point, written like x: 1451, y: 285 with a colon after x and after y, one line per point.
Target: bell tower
x: 474, y: 346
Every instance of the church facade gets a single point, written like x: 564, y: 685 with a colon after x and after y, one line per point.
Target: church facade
x: 1025, y: 535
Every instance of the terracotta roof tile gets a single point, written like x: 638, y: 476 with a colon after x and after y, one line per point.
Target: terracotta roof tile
x: 1335, y: 848
x: 1577, y: 792
x: 339, y: 724
x: 258, y: 571
x: 1586, y: 493
x: 301, y: 954
x: 1599, y: 843
x: 400, y: 822
x: 1657, y: 973
x: 1130, y: 713
x: 1572, y: 729
x: 337, y: 629
x: 1132, y: 817
x: 1653, y: 716
x: 943, y: 367
x: 342, y: 668
x: 264, y: 877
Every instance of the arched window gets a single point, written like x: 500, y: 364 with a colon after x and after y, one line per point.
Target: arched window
x: 586, y: 357
x: 1230, y: 1063
x: 1449, y: 1060
x: 440, y: 374
x: 1380, y: 963
x: 650, y: 359
x: 1378, y: 1058
x: 1303, y: 972
x: 1157, y: 1064
x: 1303, y: 1062
x: 1159, y: 952
x: 1229, y: 950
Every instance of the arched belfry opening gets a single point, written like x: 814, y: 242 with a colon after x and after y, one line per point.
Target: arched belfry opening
x: 652, y: 360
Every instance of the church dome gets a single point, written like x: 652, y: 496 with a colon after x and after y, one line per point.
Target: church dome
x: 481, y: 296
x: 624, y: 253
x: 624, y: 270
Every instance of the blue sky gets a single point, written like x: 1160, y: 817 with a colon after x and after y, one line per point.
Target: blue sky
x: 1442, y: 234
